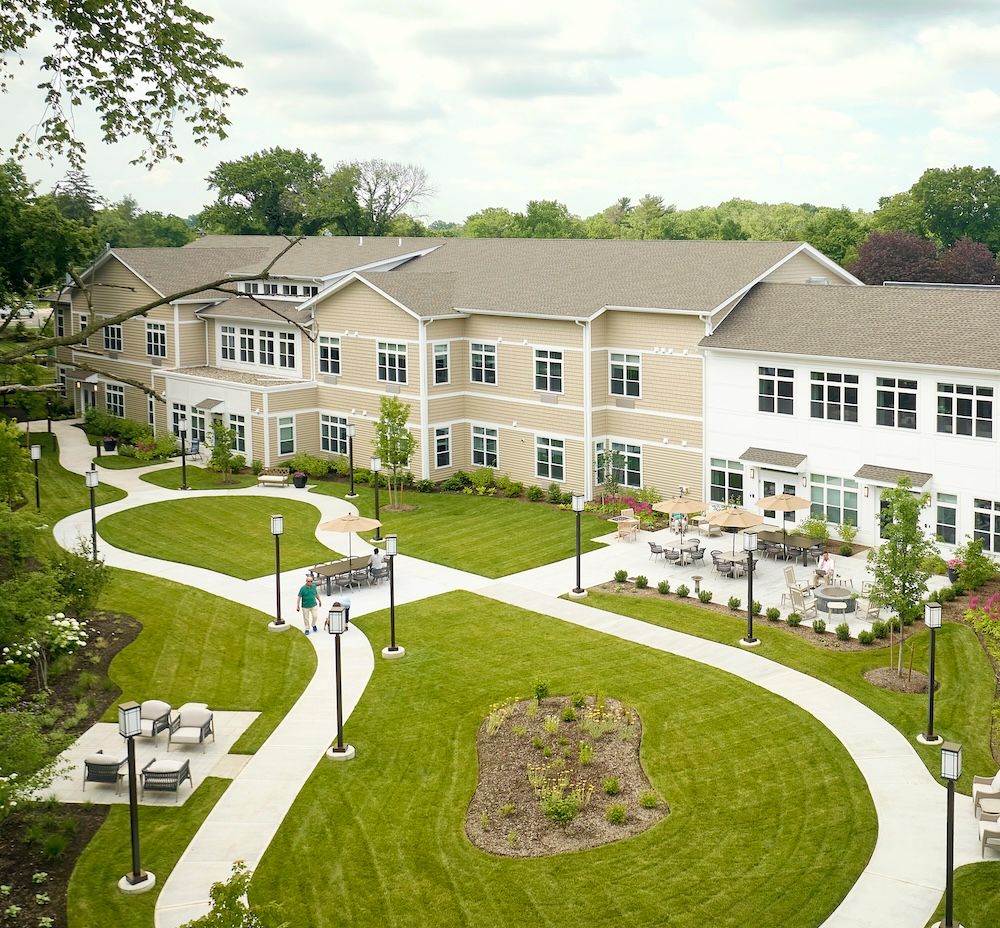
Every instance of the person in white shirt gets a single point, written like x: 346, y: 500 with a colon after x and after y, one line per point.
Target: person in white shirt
x: 377, y: 559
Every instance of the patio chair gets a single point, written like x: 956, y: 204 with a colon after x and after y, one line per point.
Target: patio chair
x: 102, y: 768
x: 989, y: 831
x: 867, y: 611
x: 166, y: 776
x: 191, y: 726
x: 627, y: 513
x: 984, y: 788
x: 154, y: 717
x: 378, y: 574
x: 673, y: 555
x: 697, y: 555
x: 654, y: 549
x: 793, y: 584
x: 799, y: 604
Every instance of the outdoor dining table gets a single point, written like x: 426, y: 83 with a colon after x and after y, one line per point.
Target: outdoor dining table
x: 796, y: 544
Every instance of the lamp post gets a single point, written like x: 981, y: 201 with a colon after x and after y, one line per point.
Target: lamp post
x: 36, y: 455
x: 390, y: 555
x: 184, y: 471
x: 749, y: 546
x: 352, y: 430
x: 951, y: 770
x: 932, y: 619
x: 277, y: 527
x: 578, y: 503
x: 48, y: 416
x: 92, y: 482
x: 376, y: 470
x: 129, y: 725
x: 337, y: 625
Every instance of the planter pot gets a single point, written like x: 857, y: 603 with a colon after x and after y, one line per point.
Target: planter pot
x: 952, y: 575
x: 299, y: 482
x: 110, y: 444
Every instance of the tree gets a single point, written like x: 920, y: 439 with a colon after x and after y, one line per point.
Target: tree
x: 15, y: 463
x: 897, y: 564
x: 331, y: 205
x: 895, y: 256
x: 494, y: 222
x: 222, y: 450
x: 386, y: 188
x: 141, y: 66
x: 960, y: 202
x: 230, y: 905
x: 966, y: 262
x: 125, y: 225
x: 899, y: 213
x: 76, y: 198
x: 835, y: 232
x: 551, y: 219
x: 647, y: 219
x: 394, y: 443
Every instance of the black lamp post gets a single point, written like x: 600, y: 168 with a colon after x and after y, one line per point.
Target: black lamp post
x: 951, y: 770
x: 36, y: 455
x: 184, y: 434
x: 277, y: 527
x: 376, y: 470
x: 129, y: 725
x: 393, y: 650
x: 337, y: 625
x: 932, y: 619
x: 92, y: 482
x: 352, y: 430
x: 749, y: 546
x: 578, y: 503
x: 48, y: 416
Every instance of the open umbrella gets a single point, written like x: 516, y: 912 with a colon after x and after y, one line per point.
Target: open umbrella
x: 735, y: 518
x: 348, y: 525
x: 682, y: 504
x: 784, y: 502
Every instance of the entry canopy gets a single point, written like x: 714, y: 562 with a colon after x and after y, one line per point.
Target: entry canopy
x: 889, y: 476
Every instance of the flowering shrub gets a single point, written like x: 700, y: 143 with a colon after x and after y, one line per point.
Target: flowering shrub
x: 984, y: 615
x: 956, y: 563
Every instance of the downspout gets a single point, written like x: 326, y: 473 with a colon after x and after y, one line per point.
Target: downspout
x: 588, y: 416
x: 425, y: 451
x: 177, y: 335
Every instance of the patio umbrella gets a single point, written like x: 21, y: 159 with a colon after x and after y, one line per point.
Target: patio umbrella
x: 682, y: 504
x: 784, y: 502
x: 735, y: 519
x: 348, y: 525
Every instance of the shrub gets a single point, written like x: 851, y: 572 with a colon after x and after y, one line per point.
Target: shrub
x: 535, y: 494
x: 621, y: 576
x: 555, y: 493
x: 977, y: 568
x: 309, y: 464
x: 611, y: 786
x: 425, y: 486
x: 507, y: 809
x: 959, y: 588
x: 257, y: 467
x: 507, y: 487
x: 457, y: 482
x: 705, y: 596
x: 541, y: 690
x: 735, y: 602
x: 578, y: 700
x: 843, y: 631
x: 663, y: 586
x: 819, y: 626
x: 756, y: 607
x: 586, y: 753
x: 946, y: 594
x: 848, y: 531
x: 239, y: 463
x: 846, y: 550
x: 683, y: 591
x: 794, y: 619
x: 126, y: 451
x: 649, y: 799
x: 550, y: 724
x: 537, y: 743
x: 865, y: 637
x: 934, y: 564
x: 773, y: 614
x: 641, y: 582
x: 482, y: 480
x: 616, y: 814
x: 815, y: 527
x: 560, y: 808
x: 933, y: 597
x: 879, y: 629
x: 569, y: 714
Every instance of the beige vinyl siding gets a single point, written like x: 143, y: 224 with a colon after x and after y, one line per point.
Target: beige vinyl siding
x: 136, y: 406
x: 210, y: 335
x: 535, y: 416
x: 191, y: 338
x: 645, y: 331
x: 116, y: 289
x: 359, y: 368
x: 445, y: 409
x: 359, y: 308
x: 441, y: 330
x: 307, y: 433
x: 652, y: 428
x: 291, y: 400
x: 543, y: 332
x: 799, y: 269
x: 671, y: 384
x: 666, y: 469
x: 517, y: 458
x: 256, y: 429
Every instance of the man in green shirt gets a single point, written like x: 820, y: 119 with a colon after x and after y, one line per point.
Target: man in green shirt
x: 308, y: 602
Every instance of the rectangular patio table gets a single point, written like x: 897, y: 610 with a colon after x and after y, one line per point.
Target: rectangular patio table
x: 797, y: 543
x: 340, y: 568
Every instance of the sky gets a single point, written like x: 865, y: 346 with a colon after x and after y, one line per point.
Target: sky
x: 586, y: 102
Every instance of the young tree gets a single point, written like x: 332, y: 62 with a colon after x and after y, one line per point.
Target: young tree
x: 222, y: 450
x: 394, y: 443
x: 898, y: 562
x: 230, y: 906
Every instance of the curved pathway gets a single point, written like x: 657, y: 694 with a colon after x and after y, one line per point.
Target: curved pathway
x: 900, y: 886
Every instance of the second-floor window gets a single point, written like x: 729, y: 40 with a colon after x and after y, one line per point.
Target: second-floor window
x: 114, y: 397
x: 963, y: 409
x: 83, y: 324
x: 833, y: 396
x: 329, y: 354
x: 391, y: 362
x: 625, y: 375
x: 228, y: 346
x: 156, y: 339
x: 442, y: 363
x: 270, y: 289
x: 548, y: 371
x: 310, y: 290
x: 483, y: 363
x: 290, y: 289
x: 251, y: 287
x: 333, y: 433
x: 113, y: 338
x: 265, y: 347
x: 246, y: 346
x: 896, y: 402
x: 485, y: 451
x: 60, y: 323
x: 775, y: 387
x: 286, y: 349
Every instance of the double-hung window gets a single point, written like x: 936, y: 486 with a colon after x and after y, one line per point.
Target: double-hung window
x: 289, y: 290
x: 114, y: 399
x: 834, y: 499
x: 333, y: 433
x: 963, y: 409
x: 151, y: 410
x: 391, y: 362
x: 442, y: 446
x: 286, y: 435
x: 177, y: 412
x: 442, y: 363
x: 833, y: 396
x: 246, y: 345
x: 270, y: 289
x: 156, y: 339
x: 227, y: 348
x: 83, y: 324
x: 775, y: 390
x: 986, y: 523
x: 483, y: 367
x: 624, y: 461
x: 265, y: 347
x: 726, y: 478
x: 548, y: 371
x: 485, y: 446
x: 549, y: 461
x: 309, y: 290
x: 286, y: 349
x: 947, y: 517
x: 113, y: 337
x: 60, y: 323
x: 239, y: 426
x: 329, y: 354
x: 251, y: 287
x: 625, y: 376
x: 896, y: 402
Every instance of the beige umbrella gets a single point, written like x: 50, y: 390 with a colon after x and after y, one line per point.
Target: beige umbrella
x: 682, y: 504
x: 735, y: 518
x: 348, y: 525
x: 784, y: 502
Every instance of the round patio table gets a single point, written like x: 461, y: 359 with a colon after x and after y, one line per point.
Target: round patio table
x: 835, y: 594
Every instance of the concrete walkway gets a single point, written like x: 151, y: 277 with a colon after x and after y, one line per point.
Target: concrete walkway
x: 899, y: 888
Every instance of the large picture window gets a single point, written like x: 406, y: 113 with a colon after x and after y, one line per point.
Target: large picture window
x: 775, y: 390
x: 833, y: 396
x: 896, y: 402
x: 726, y: 479
x: 485, y: 446
x: 333, y: 433
x: 963, y: 409
x: 329, y: 354
x: 834, y: 499
x: 391, y: 362
x: 549, y: 461
x: 624, y: 374
x: 548, y: 371
x: 484, y: 363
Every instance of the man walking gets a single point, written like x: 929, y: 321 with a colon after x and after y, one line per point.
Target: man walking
x: 308, y: 602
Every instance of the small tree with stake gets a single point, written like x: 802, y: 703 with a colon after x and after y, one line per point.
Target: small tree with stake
x: 222, y: 450
x: 393, y: 442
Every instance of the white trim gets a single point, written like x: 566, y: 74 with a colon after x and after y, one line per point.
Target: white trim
x: 451, y: 457
x: 461, y: 311
x: 433, y: 366
x: 382, y: 340
x: 349, y: 279
x: 423, y: 405
x: 278, y: 416
x: 656, y: 413
x: 588, y: 413
x: 486, y: 343
x: 562, y: 441
x: 105, y: 257
x: 177, y: 334
x: 534, y: 372
x: 472, y: 443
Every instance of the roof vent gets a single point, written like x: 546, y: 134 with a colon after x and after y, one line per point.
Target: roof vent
x: 817, y: 280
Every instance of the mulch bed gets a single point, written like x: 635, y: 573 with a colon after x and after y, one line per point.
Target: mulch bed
x: 910, y: 681
x: 505, y: 816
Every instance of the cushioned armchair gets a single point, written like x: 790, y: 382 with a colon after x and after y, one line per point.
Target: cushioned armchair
x: 103, y: 768
x: 191, y: 726
x: 984, y: 788
x: 154, y: 717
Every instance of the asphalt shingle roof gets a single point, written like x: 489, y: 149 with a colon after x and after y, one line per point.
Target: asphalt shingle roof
x: 242, y: 307
x: 774, y: 458
x: 891, y: 475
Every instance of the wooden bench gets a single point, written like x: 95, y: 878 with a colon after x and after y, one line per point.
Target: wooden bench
x: 273, y: 477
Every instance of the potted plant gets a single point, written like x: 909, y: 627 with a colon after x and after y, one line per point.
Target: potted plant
x: 110, y: 442
x: 954, y: 566
x: 299, y: 479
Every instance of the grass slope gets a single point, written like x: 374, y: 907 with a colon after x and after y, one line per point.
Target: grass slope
x: 977, y: 898
x: 195, y: 647
x: 771, y: 822
x: 198, y: 478
x: 962, y: 705
x: 231, y: 535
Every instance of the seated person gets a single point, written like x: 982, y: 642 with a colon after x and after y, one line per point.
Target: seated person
x: 377, y: 559
x: 824, y: 570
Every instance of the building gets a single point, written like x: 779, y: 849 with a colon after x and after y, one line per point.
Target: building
x: 530, y: 356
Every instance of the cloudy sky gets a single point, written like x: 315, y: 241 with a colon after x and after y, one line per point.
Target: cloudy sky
x: 586, y: 102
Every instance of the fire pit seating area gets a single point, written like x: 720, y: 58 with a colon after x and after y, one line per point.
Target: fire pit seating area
x: 835, y: 594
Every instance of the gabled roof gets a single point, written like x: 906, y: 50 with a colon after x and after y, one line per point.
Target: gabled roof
x: 948, y: 327
x: 242, y: 307
x: 423, y: 294
x: 775, y: 458
x: 889, y: 476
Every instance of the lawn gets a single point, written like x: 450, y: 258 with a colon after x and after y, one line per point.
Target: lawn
x: 231, y: 535
x: 198, y: 478
x: 195, y: 647
x: 962, y: 705
x: 976, y: 901
x: 481, y: 534
x: 164, y: 833
x: 119, y: 462
x: 762, y: 830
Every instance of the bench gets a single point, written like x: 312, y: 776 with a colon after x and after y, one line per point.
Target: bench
x: 273, y: 477
x: 166, y: 775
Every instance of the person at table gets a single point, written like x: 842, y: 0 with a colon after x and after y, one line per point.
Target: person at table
x: 824, y: 570
x: 377, y: 559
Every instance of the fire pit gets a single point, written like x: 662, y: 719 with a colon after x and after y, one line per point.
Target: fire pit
x: 835, y: 594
